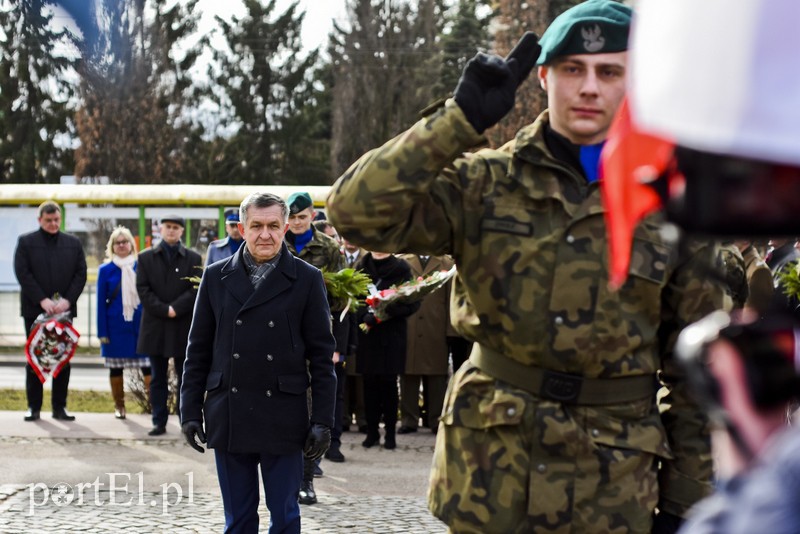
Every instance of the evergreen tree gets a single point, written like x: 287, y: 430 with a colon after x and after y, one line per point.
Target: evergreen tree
x: 466, y: 34
x: 34, y: 93
x: 269, y: 99
x: 135, y: 88
x: 386, y: 65
x: 513, y: 20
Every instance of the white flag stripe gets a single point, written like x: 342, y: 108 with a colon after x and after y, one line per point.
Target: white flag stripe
x: 719, y: 76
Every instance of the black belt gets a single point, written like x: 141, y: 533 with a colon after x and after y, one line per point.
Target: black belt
x: 562, y: 387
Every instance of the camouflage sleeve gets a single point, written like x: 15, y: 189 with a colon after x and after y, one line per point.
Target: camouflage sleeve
x: 407, y: 195
x: 691, y: 294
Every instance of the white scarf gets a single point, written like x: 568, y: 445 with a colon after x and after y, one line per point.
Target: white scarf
x: 130, y: 298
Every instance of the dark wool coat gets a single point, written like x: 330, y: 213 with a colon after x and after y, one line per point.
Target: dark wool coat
x: 47, y: 266
x: 382, y: 350
x: 162, y: 283
x: 253, y: 355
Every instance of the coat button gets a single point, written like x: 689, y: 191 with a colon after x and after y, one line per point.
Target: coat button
x: 269, y: 357
x: 595, y: 432
x: 269, y: 393
x: 511, y: 412
x: 541, y: 468
x: 235, y: 355
x: 234, y: 390
x: 559, y: 320
x: 270, y: 324
x: 570, y: 239
x: 238, y: 322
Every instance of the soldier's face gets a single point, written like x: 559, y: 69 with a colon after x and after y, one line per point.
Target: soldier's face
x: 50, y: 222
x: 233, y: 230
x: 263, y: 230
x: 300, y: 222
x: 583, y: 94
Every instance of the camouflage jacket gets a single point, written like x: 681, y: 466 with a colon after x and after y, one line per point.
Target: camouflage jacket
x: 323, y: 253
x: 529, y: 239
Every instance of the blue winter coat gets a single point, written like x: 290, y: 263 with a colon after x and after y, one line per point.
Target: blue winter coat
x: 123, y: 334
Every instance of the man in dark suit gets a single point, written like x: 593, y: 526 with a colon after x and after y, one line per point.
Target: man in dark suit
x: 260, y: 337
x: 167, y: 295
x: 48, y: 263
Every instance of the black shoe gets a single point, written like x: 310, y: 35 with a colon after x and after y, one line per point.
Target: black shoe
x: 406, y: 429
x: 62, y: 415
x: 307, y: 494
x: 157, y: 431
x: 371, y: 440
x: 32, y: 415
x: 334, y: 455
x: 389, y: 443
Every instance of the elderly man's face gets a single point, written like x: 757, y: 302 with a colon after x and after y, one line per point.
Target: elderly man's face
x: 263, y: 232
x: 300, y: 222
x: 583, y: 94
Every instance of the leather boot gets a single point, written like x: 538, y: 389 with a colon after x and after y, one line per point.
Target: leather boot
x: 118, y: 393
x: 307, y: 495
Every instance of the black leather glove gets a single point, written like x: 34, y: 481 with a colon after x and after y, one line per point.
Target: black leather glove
x: 666, y: 523
x: 370, y: 319
x: 317, y: 441
x: 192, y: 429
x: 488, y: 85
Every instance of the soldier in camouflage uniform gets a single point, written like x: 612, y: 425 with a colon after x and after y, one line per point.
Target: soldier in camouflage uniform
x: 553, y: 424
x: 315, y: 247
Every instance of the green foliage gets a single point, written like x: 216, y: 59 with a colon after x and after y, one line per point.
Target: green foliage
x: 79, y: 401
x: 465, y: 35
x: 34, y: 93
x: 789, y: 278
x: 348, y: 286
x: 270, y: 98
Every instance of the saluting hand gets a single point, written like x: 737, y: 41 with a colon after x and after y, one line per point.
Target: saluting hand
x: 488, y: 85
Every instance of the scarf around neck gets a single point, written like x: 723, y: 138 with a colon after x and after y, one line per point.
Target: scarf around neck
x: 130, y: 297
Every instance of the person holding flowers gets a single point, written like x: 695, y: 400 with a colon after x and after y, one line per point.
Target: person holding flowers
x: 381, y: 352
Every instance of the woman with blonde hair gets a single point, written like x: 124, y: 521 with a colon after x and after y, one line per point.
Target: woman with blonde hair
x: 119, y: 313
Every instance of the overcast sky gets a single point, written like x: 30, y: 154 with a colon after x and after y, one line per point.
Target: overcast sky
x: 316, y: 25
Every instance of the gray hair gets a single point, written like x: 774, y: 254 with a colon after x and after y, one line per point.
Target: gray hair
x: 262, y: 200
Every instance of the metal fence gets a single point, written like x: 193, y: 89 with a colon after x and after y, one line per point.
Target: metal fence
x: 12, y: 325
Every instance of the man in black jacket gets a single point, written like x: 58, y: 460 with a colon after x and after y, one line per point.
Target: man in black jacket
x: 167, y: 295
x: 260, y: 336
x: 51, y: 269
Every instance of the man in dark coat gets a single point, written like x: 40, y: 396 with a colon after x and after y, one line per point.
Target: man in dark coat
x: 47, y: 263
x: 167, y: 295
x: 259, y: 338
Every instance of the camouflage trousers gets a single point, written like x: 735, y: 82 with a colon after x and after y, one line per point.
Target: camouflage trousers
x: 507, y: 461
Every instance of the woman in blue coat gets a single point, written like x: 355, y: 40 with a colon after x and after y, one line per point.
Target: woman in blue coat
x: 119, y: 314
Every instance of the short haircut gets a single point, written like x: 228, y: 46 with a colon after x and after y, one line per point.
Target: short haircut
x: 262, y: 200
x: 48, y: 206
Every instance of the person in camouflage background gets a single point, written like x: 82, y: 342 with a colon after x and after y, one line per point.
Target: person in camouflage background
x: 553, y: 425
x: 317, y: 248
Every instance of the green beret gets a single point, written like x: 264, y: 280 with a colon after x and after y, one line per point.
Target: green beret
x: 591, y: 27
x: 298, y: 202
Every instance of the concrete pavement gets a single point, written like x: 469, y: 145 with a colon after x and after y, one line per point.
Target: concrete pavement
x: 98, y: 474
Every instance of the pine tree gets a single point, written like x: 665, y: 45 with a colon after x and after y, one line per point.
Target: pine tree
x: 135, y: 89
x: 268, y: 96
x: 35, y: 59
x: 466, y: 34
x: 385, y: 70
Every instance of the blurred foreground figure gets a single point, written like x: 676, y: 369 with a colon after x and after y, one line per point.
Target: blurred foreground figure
x: 747, y: 375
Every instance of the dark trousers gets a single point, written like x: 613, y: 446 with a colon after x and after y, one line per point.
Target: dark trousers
x: 34, y: 389
x: 380, y: 399
x: 459, y: 350
x: 433, y: 388
x: 354, y: 400
x: 338, y: 409
x: 159, y: 387
x: 238, y: 481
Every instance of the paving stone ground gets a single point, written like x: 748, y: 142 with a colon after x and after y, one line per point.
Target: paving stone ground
x: 48, y: 470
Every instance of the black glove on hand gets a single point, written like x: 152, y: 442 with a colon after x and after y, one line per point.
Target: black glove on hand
x: 317, y: 441
x: 370, y: 320
x: 666, y: 523
x: 488, y: 85
x: 191, y: 429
